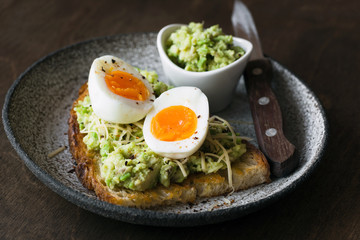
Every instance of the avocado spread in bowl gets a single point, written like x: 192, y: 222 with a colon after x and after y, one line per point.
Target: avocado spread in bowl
x: 196, y: 49
x: 203, y: 58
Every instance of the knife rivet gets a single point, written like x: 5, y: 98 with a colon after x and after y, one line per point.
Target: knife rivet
x: 257, y: 71
x: 270, y: 132
x: 263, y: 100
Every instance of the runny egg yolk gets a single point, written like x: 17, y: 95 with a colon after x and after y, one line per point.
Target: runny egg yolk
x: 174, y: 123
x: 126, y: 85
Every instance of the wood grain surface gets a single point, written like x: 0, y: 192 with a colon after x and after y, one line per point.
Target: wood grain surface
x: 277, y: 148
x: 317, y: 40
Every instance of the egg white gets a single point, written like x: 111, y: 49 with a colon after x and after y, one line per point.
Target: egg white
x: 110, y: 106
x: 192, y: 98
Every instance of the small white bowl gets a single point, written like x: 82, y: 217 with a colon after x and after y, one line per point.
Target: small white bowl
x: 219, y: 85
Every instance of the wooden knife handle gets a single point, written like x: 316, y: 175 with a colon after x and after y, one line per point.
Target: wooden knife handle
x: 267, y: 118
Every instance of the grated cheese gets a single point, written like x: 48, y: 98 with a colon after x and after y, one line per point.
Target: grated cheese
x: 228, y: 163
x: 185, y: 160
x: 56, y: 152
x: 126, y: 133
x: 213, y: 144
x: 203, y: 163
x: 228, y: 126
x: 181, y: 166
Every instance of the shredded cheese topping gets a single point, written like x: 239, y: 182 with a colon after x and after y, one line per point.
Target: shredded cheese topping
x: 181, y: 166
x: 123, y: 134
x: 215, y: 144
x: 127, y: 132
x: 56, y: 152
x: 203, y: 163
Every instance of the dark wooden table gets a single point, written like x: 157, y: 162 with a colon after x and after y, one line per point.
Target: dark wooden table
x: 317, y: 40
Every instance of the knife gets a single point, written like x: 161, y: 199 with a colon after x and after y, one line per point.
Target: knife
x: 264, y: 106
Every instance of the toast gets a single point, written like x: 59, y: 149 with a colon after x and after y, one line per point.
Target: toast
x: 250, y: 170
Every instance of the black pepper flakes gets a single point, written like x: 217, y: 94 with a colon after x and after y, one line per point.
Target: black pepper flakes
x: 151, y: 169
x: 102, y: 69
x: 196, y: 138
x: 199, y: 116
x: 126, y: 163
x: 151, y: 100
x: 143, y: 77
x: 113, y: 61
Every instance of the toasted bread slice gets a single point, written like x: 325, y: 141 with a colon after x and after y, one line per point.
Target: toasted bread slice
x: 250, y: 170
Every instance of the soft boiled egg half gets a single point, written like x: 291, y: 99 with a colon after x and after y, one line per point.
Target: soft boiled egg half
x: 118, y: 92
x: 177, y: 125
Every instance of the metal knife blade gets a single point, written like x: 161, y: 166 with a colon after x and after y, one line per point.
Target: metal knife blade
x: 244, y: 27
x: 264, y: 106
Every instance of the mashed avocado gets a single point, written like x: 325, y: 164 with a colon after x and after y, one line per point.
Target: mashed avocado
x: 127, y: 161
x: 152, y: 77
x: 197, y: 49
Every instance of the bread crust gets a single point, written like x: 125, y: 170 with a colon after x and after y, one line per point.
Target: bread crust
x: 250, y: 170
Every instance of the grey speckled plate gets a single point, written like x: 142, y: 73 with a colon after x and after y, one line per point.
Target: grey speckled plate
x: 37, y: 108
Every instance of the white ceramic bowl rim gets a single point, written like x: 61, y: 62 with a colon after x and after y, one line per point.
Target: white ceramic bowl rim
x: 160, y: 47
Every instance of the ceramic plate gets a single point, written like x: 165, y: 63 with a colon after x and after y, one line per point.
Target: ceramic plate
x: 37, y: 108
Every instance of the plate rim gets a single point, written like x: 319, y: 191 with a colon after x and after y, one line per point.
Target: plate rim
x: 120, y: 212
